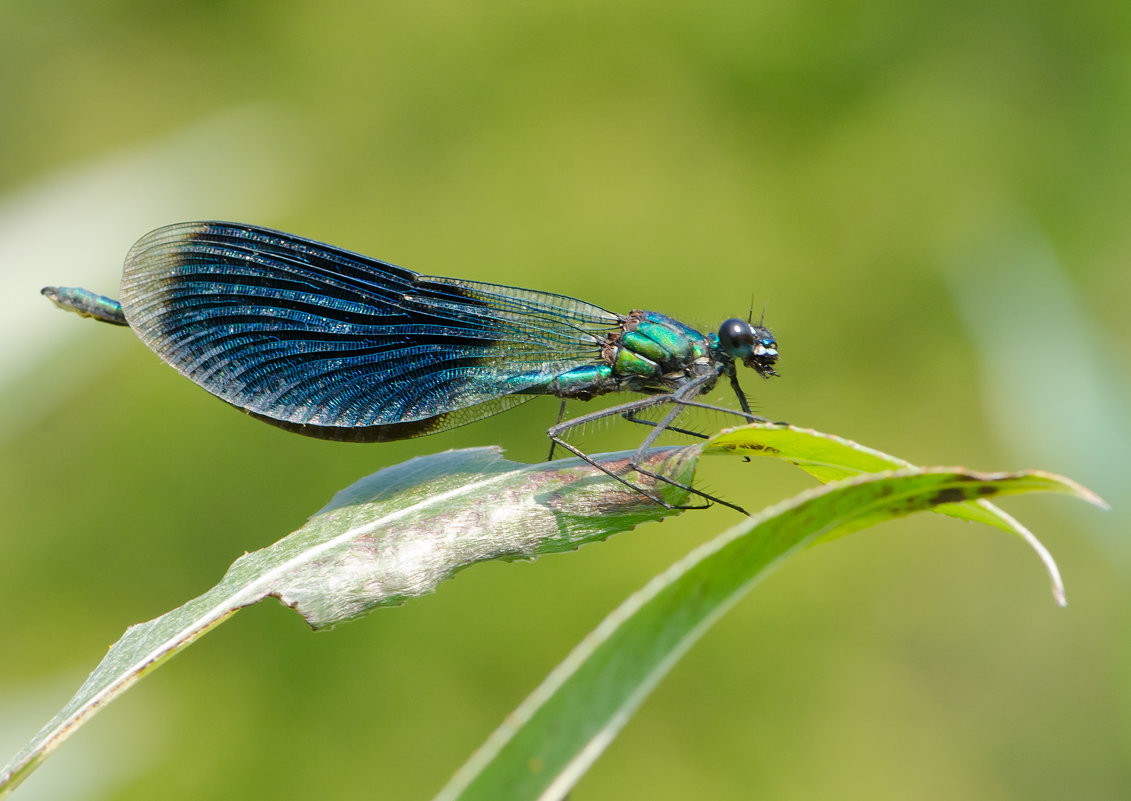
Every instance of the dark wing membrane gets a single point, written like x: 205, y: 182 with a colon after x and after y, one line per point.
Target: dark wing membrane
x: 339, y: 345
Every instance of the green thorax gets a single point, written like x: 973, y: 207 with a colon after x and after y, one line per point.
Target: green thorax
x: 654, y: 345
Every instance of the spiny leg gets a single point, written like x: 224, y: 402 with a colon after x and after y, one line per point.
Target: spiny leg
x: 678, y: 405
x: 747, y: 416
x: 742, y: 401
x: 614, y: 475
x: 705, y: 495
x: 555, y: 434
x: 632, y: 418
x: 750, y: 418
x: 556, y: 431
x: 561, y: 416
x: 679, y: 400
x: 660, y: 427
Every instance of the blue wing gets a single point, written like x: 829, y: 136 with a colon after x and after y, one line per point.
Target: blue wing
x: 341, y: 346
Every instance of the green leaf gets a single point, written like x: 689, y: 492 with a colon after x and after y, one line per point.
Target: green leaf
x: 398, y: 533
x: 391, y: 536
x: 549, y: 742
x: 827, y: 458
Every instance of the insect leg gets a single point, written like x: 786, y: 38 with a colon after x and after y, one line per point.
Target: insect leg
x: 613, y: 474
x: 556, y: 432
x: 677, y: 407
x: 745, y: 404
x: 553, y: 442
x: 628, y: 410
x: 632, y: 418
x: 705, y: 495
x: 747, y: 416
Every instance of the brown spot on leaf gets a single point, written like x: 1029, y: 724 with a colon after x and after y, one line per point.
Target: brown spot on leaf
x: 948, y: 495
x: 767, y: 449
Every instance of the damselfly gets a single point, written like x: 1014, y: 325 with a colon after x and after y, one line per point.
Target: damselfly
x: 332, y: 344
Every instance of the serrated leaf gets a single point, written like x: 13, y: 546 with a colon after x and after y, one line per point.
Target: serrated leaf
x: 391, y: 536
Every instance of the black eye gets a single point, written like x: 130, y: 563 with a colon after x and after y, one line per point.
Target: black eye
x: 736, y: 337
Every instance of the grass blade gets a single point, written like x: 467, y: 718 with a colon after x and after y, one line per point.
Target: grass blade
x: 558, y: 732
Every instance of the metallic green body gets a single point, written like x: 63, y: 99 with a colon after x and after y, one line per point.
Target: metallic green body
x: 629, y: 363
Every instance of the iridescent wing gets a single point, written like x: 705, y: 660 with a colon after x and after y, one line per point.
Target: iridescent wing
x: 341, y: 346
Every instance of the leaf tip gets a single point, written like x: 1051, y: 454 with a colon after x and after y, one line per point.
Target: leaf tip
x: 1077, y: 489
x: 1097, y: 501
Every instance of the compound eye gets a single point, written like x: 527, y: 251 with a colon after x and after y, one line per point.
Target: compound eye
x: 736, y: 337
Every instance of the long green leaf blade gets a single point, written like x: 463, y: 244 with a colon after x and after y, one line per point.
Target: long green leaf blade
x: 557, y: 733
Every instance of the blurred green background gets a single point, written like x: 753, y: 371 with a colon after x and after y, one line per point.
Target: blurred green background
x: 932, y: 200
